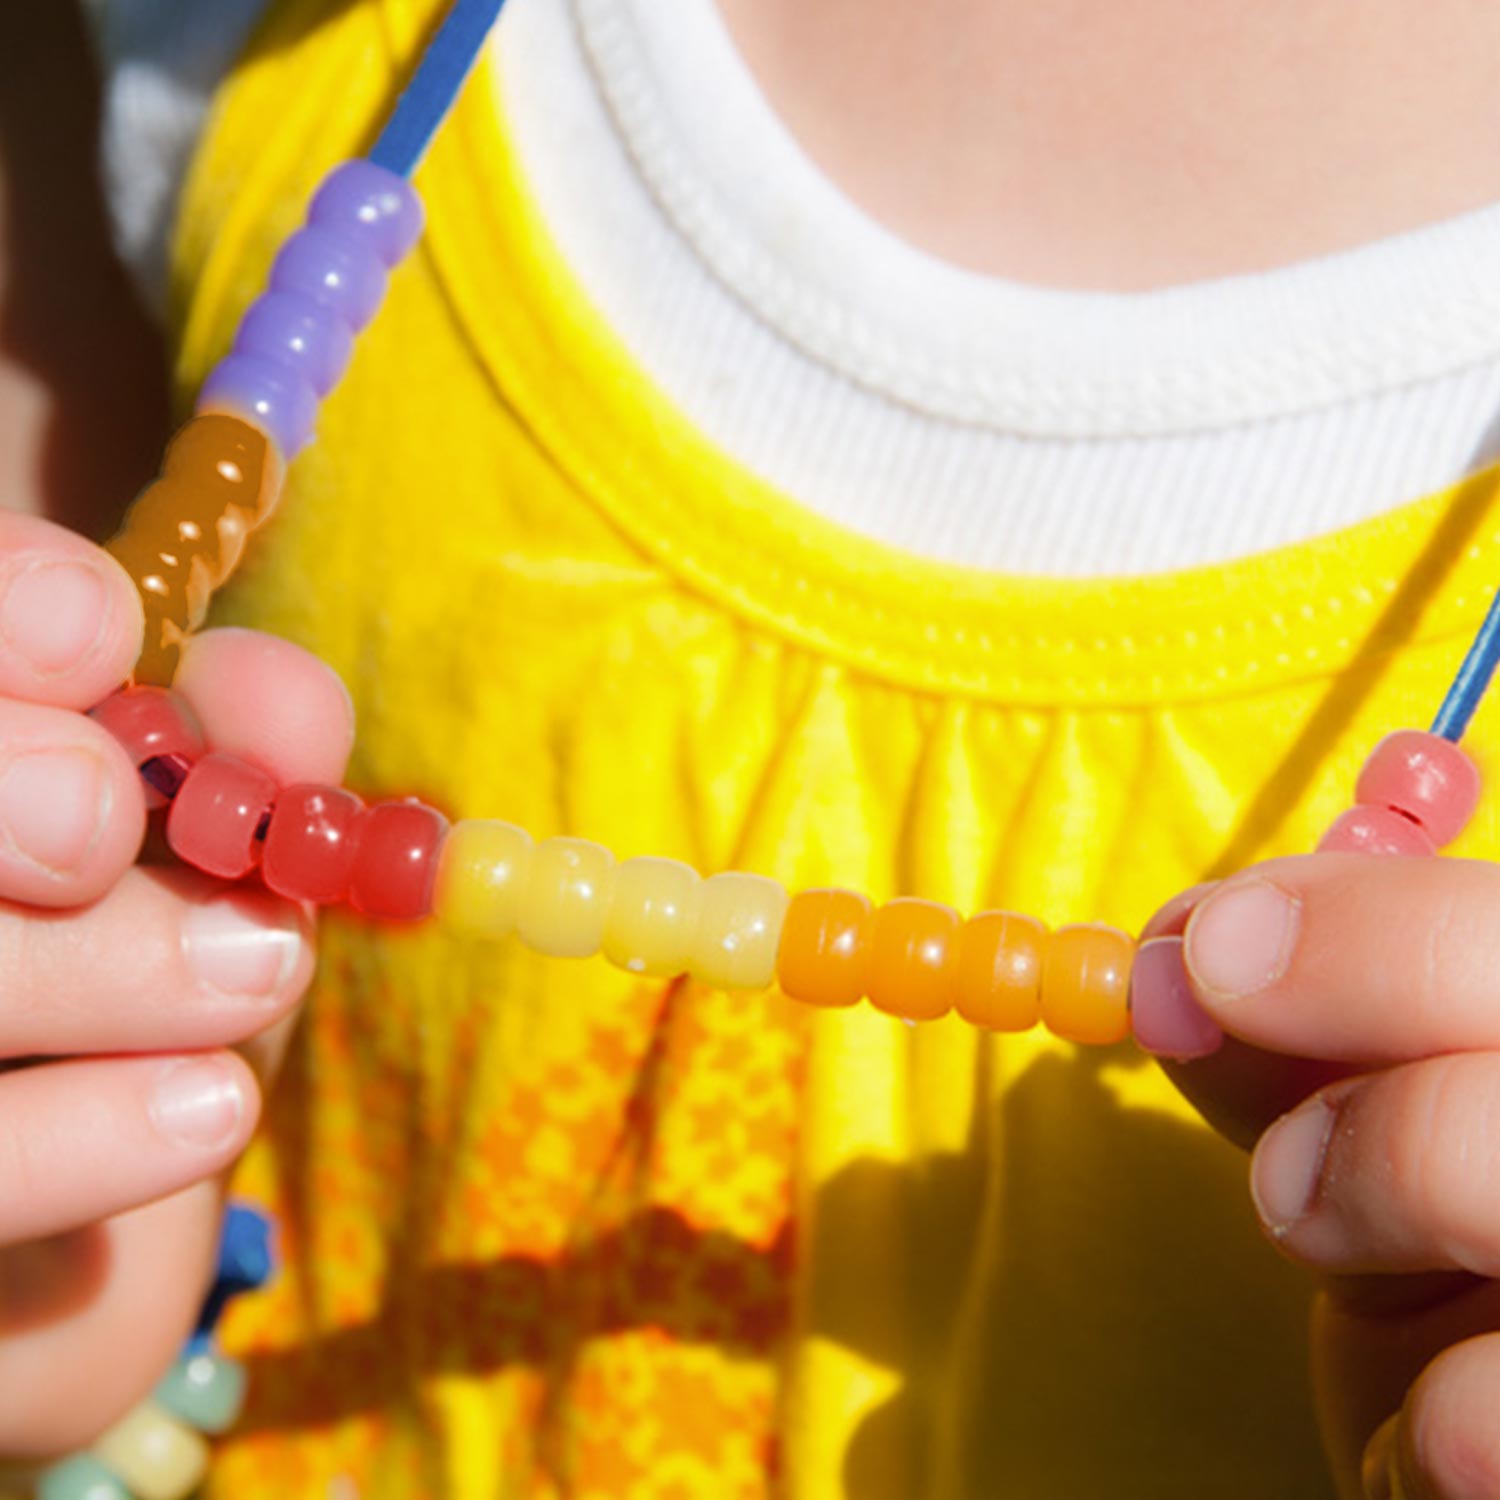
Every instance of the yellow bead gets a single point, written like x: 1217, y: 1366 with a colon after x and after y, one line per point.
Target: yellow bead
x: 155, y: 1455
x: 483, y: 870
x: 566, y: 899
x: 653, y: 918
x: 739, y: 931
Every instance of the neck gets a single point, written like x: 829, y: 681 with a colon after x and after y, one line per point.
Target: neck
x: 1129, y: 146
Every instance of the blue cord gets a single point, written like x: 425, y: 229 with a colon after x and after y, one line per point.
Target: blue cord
x: 1472, y: 680
x: 440, y: 75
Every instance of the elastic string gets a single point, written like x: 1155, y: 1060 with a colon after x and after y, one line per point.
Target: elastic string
x: 440, y: 75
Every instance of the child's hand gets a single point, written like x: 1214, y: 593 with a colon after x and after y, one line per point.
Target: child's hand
x: 131, y: 982
x: 1361, y: 996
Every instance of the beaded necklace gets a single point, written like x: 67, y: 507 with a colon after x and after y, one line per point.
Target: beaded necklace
x: 399, y: 859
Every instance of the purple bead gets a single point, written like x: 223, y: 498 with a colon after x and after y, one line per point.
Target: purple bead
x: 268, y: 396
x: 293, y: 331
x: 370, y: 204
x: 336, y: 270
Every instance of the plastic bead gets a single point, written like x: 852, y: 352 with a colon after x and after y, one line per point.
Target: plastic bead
x: 397, y: 845
x: 1164, y: 1012
x: 267, y: 395
x: 185, y: 534
x: 566, y: 899
x: 310, y: 844
x: 998, y: 971
x: 481, y: 876
x: 1424, y: 776
x: 244, y: 1263
x: 363, y: 201
x: 154, y: 1454
x: 291, y: 329
x: 205, y: 1390
x: 230, y: 462
x: 215, y: 816
x: 653, y: 916
x: 151, y: 723
x: 335, y: 269
x: 81, y: 1477
x: 1086, y: 984
x: 825, y: 947
x: 1375, y: 830
x: 739, y: 931
x: 912, y: 953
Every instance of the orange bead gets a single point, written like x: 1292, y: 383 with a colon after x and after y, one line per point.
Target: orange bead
x: 912, y: 952
x: 1086, y: 984
x: 999, y: 971
x: 825, y: 947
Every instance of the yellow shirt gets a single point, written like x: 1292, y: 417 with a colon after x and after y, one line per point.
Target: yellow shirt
x: 549, y: 1230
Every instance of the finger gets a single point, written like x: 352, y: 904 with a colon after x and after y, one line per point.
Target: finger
x: 1353, y: 958
x: 1371, y: 1337
x: 1390, y: 1171
x: 167, y: 961
x: 1240, y: 1089
x: 81, y: 1141
x: 269, y: 702
x: 71, y: 810
x: 70, y: 618
x: 1447, y: 1439
x: 131, y: 1286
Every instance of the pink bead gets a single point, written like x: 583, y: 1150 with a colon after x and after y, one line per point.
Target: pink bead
x: 214, y: 817
x: 151, y: 723
x: 396, y: 859
x: 1424, y: 776
x: 1375, y: 830
x: 1164, y: 1011
x: 309, y: 849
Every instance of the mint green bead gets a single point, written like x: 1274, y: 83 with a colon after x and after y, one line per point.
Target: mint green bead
x: 207, y: 1390
x: 80, y: 1478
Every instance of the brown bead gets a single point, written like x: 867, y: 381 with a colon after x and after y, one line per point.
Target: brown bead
x: 228, y: 459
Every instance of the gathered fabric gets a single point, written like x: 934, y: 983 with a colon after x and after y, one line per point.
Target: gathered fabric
x: 551, y: 1230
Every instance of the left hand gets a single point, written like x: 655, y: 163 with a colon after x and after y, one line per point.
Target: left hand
x: 1360, y: 997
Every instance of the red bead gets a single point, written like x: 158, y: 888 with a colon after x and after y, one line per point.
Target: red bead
x: 309, y: 850
x: 151, y: 723
x: 1375, y: 830
x: 396, y: 859
x: 1424, y: 776
x: 214, y: 816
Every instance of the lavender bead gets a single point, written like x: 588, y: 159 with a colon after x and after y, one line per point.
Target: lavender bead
x: 297, y: 333
x: 266, y: 395
x: 335, y: 270
x: 362, y: 201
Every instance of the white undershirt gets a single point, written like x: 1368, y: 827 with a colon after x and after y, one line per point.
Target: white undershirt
x: 945, y: 412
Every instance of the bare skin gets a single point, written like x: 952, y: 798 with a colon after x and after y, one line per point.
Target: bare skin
x: 1122, y: 147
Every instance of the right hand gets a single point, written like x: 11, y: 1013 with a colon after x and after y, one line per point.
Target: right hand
x: 134, y: 984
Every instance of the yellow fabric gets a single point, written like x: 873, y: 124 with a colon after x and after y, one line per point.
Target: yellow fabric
x: 553, y: 1231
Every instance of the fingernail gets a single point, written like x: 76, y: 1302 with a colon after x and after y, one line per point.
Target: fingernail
x: 198, y: 1103
x: 1287, y: 1164
x: 1164, y: 1013
x: 239, y: 951
x: 53, y: 806
x: 53, y: 614
x: 1241, y: 938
